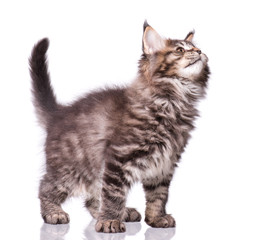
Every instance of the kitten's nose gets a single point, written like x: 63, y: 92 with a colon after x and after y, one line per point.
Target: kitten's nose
x: 197, y: 50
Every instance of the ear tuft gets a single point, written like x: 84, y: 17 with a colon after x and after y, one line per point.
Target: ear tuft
x: 152, y: 41
x: 145, y: 25
x: 190, y: 36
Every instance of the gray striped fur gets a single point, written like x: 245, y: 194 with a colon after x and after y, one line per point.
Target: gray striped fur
x: 106, y: 141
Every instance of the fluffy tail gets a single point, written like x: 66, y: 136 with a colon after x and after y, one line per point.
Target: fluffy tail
x: 44, y: 98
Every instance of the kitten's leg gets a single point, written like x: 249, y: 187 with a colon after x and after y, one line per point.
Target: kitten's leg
x: 52, y: 196
x: 156, y: 199
x: 93, y: 197
x: 93, y: 205
x: 131, y: 215
x: 113, y: 195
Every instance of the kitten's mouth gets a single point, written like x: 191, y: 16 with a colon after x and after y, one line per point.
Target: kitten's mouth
x: 193, y: 62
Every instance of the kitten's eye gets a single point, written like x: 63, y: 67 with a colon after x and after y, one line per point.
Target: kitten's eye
x: 180, y: 49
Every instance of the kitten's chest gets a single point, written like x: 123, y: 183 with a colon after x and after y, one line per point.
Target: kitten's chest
x: 159, y: 165
x: 174, y: 128
x: 152, y: 168
x: 165, y: 137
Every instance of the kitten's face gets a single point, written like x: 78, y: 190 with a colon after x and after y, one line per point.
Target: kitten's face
x: 188, y: 61
x: 169, y: 58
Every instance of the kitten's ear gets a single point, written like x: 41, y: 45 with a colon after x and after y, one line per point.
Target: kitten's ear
x: 190, y: 36
x: 152, y: 41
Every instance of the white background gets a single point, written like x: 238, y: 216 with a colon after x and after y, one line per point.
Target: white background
x: 98, y: 43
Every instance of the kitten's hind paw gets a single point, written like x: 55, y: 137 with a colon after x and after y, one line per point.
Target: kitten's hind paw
x: 59, y: 217
x: 110, y: 226
x: 132, y: 215
x: 166, y: 221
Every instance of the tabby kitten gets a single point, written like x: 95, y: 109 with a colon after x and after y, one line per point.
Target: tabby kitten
x: 111, y: 138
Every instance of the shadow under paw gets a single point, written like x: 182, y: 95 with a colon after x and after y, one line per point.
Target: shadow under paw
x: 54, y: 232
x: 159, y: 233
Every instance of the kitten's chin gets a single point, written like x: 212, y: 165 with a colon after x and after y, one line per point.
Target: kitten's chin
x: 204, y: 58
x: 192, y: 71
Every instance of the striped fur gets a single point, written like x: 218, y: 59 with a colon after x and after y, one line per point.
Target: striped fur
x: 109, y: 139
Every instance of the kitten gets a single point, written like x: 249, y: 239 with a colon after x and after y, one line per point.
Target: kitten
x: 108, y: 140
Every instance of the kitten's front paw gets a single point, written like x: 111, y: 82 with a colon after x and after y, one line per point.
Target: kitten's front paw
x: 166, y: 221
x: 59, y: 217
x: 132, y: 215
x: 110, y: 226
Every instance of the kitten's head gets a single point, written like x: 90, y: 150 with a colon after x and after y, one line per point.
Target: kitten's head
x: 172, y: 58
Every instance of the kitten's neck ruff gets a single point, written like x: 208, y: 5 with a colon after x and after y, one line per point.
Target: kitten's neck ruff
x: 167, y: 89
x: 170, y: 99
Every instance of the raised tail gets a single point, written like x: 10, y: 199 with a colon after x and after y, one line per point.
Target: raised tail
x: 44, y: 98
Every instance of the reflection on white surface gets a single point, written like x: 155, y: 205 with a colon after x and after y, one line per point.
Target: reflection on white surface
x: 58, y: 232
x: 54, y: 232
x: 159, y: 233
